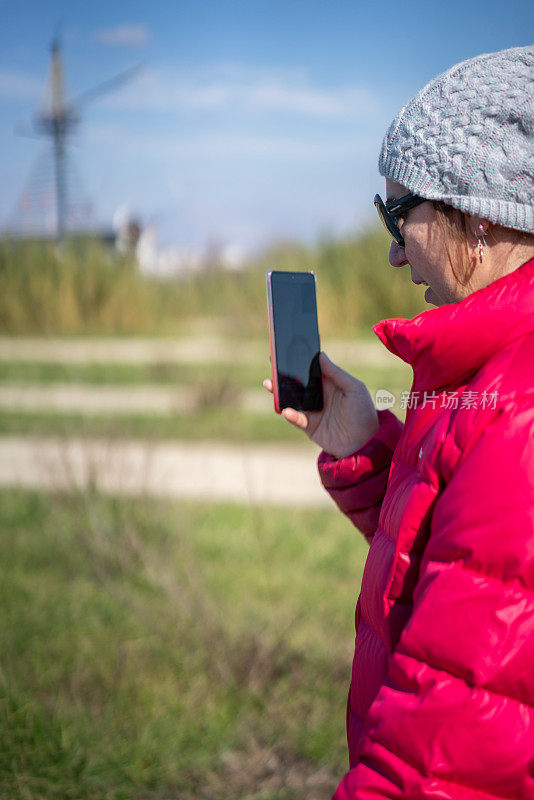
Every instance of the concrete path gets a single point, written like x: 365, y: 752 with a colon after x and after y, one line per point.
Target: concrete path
x: 258, y: 474
x: 109, y: 399
x: 264, y: 475
x: 188, y: 350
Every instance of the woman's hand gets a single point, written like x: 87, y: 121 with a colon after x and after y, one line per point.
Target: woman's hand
x: 348, y: 418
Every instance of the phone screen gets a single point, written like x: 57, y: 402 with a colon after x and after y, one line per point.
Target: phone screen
x: 295, y: 345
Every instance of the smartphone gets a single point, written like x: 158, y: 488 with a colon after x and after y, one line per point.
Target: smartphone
x: 294, y: 341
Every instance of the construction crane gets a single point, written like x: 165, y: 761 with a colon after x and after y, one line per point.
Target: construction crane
x: 60, y: 118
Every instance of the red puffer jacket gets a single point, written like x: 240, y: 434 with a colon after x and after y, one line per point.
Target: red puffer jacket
x: 441, y: 702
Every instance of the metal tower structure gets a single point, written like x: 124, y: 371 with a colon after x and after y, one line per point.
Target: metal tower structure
x: 58, y: 122
x: 59, y: 118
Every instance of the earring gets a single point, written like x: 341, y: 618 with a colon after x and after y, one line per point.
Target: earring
x: 481, y: 236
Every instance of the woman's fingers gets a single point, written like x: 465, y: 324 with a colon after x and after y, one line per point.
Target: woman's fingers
x: 296, y: 418
x: 331, y: 372
x: 337, y: 375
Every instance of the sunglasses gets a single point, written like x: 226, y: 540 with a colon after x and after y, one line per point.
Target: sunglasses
x: 390, y: 212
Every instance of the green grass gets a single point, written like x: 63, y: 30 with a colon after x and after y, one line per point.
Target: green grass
x: 161, y: 373
x: 157, y: 649
x: 215, y: 424
x: 217, y: 416
x: 220, y: 424
x: 170, y: 374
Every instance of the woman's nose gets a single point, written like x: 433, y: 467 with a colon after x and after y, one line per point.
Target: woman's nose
x: 397, y: 256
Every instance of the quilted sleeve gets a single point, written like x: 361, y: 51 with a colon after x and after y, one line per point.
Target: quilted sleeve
x: 358, y: 482
x: 455, y: 717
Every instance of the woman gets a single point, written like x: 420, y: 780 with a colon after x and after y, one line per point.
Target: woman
x: 441, y: 702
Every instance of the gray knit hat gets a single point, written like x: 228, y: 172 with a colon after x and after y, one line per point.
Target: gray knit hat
x: 467, y: 138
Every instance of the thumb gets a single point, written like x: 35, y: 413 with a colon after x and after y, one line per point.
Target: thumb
x: 338, y: 376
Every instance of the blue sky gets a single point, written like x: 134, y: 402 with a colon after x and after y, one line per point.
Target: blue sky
x: 249, y: 120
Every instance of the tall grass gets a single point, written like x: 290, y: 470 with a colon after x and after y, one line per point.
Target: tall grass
x: 79, y: 288
x: 84, y: 289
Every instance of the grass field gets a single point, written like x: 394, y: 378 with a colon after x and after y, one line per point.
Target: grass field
x: 156, y: 650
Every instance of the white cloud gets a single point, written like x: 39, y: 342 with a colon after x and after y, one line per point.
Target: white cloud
x: 249, y: 73
x: 257, y: 147
x: 130, y: 35
x: 242, y: 91
x: 306, y: 100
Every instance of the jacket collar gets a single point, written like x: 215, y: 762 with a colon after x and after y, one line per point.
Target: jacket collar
x: 448, y: 344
